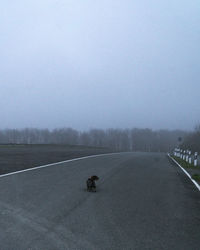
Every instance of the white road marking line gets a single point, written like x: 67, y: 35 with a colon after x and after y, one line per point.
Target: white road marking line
x: 195, y: 183
x: 56, y: 163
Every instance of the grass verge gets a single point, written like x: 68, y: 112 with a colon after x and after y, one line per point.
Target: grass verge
x: 196, y: 177
x: 185, y: 164
x: 194, y: 171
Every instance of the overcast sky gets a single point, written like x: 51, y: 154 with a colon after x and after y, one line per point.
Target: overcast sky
x: 100, y: 64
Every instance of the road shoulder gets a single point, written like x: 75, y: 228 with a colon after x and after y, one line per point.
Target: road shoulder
x: 188, y: 171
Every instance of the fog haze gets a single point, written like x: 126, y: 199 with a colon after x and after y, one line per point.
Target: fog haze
x: 100, y: 64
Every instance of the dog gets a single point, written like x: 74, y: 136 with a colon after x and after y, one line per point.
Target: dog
x: 91, y: 185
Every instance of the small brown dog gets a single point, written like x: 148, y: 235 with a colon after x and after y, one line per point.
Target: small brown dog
x: 91, y: 186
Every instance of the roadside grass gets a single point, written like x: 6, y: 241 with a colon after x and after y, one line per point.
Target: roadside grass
x: 185, y: 164
x: 190, y: 168
x: 196, y: 177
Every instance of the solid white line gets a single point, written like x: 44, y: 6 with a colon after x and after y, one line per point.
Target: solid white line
x: 195, y: 183
x: 56, y: 163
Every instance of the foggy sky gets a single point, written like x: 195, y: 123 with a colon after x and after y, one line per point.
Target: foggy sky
x: 100, y: 64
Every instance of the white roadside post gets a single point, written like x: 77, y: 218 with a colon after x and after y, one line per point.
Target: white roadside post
x: 190, y: 157
x: 187, y: 156
x: 195, y: 159
x: 184, y: 155
x: 181, y: 154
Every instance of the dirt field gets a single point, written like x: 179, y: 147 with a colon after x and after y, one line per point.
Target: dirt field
x: 18, y: 157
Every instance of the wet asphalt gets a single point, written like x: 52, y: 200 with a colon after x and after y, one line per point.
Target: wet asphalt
x: 143, y: 201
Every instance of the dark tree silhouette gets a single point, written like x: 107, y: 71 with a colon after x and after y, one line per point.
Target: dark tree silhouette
x: 117, y: 139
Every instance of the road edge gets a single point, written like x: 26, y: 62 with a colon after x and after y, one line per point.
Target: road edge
x: 188, y: 175
x: 55, y: 163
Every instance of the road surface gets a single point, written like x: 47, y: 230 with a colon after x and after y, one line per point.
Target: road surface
x: 143, y: 202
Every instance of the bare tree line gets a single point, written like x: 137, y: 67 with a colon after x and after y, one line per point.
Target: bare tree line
x: 192, y: 140
x: 118, y: 139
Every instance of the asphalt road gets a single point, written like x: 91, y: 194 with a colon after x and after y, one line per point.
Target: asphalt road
x: 143, y: 202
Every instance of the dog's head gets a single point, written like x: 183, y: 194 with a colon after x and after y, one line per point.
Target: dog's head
x: 94, y: 177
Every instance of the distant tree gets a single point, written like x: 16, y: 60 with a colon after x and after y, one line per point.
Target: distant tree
x: 118, y: 139
x: 192, y: 140
x: 85, y: 139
